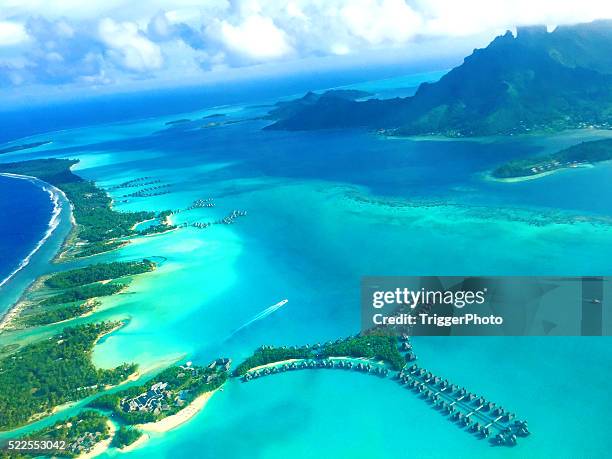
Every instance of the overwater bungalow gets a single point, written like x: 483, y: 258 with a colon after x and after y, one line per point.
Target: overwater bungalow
x: 521, y: 428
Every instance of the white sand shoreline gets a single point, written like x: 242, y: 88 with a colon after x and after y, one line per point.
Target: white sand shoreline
x: 525, y: 178
x: 54, y: 223
x: 175, y: 420
x: 102, y: 446
x: 137, y: 444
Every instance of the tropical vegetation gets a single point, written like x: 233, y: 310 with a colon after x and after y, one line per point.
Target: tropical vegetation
x: 48, y: 373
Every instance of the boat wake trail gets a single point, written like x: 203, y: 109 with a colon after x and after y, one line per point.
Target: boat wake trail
x: 262, y: 315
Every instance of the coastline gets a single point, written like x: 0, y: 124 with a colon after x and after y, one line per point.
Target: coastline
x: 282, y: 362
x: 13, y: 310
x: 137, y: 444
x: 54, y: 221
x: 101, y: 446
x: 135, y: 376
x: 273, y: 364
x: 175, y: 420
x: 526, y: 178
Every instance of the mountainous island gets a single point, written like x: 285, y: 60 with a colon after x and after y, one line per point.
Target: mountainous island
x: 534, y: 81
x: 332, y: 97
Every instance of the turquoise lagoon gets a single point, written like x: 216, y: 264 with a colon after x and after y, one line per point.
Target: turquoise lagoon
x: 325, y: 208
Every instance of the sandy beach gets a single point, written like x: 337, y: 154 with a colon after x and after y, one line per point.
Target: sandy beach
x: 120, y: 324
x: 137, y: 444
x: 135, y: 225
x: 170, y: 422
x: 273, y: 364
x: 22, y: 303
x: 527, y: 178
x: 12, y: 312
x: 521, y: 179
x: 101, y: 446
x: 10, y: 315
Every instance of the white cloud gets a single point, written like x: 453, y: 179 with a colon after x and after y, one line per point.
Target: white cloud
x: 12, y: 33
x: 295, y: 11
x: 130, y: 46
x: 94, y: 9
x: 467, y: 17
x: 380, y: 21
x: 256, y: 37
x: 63, y: 41
x: 184, y: 15
x: 339, y: 49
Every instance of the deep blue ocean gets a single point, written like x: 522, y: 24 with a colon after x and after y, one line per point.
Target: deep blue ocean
x: 71, y: 112
x: 25, y: 210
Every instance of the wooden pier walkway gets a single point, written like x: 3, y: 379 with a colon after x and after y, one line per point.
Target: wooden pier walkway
x: 478, y: 416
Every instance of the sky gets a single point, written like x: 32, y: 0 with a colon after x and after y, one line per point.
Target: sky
x: 93, y: 45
